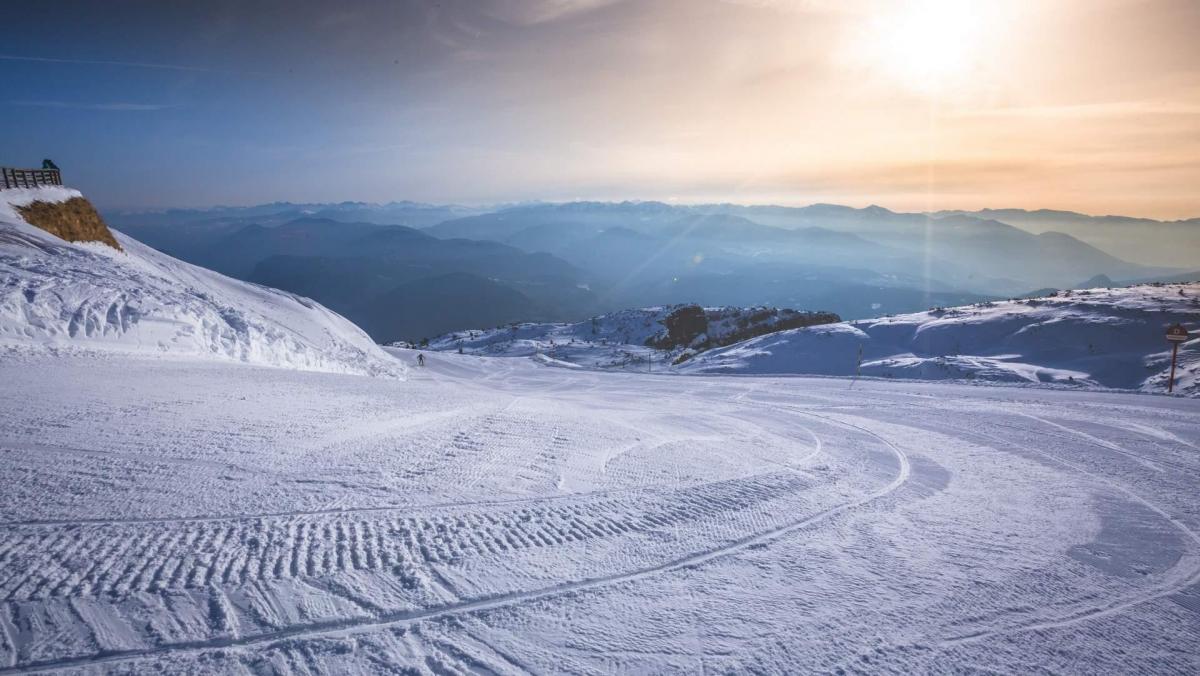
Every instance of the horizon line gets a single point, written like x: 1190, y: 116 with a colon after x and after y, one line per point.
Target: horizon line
x: 502, y: 205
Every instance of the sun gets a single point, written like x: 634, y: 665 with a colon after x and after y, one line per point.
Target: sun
x: 926, y: 45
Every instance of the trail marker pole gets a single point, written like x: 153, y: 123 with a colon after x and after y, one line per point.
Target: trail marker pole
x: 857, y: 368
x: 1174, y: 354
x: 1176, y: 335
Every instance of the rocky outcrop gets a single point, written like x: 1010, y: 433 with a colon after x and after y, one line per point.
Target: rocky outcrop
x: 74, y: 220
x: 698, y: 329
x: 685, y: 325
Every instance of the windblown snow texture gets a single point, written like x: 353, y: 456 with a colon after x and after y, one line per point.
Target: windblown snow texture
x: 59, y: 295
x: 494, y: 515
x: 1110, y: 338
x: 1090, y: 338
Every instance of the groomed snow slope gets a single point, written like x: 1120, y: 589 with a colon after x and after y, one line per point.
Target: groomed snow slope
x: 496, y: 516
x: 1095, y: 337
x: 60, y: 295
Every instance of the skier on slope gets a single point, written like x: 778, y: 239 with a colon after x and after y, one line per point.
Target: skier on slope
x: 420, y: 359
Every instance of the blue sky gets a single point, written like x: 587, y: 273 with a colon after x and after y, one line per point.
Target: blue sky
x: 152, y: 103
x: 1092, y: 106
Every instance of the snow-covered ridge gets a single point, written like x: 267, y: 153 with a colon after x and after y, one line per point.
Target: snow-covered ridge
x: 59, y: 295
x: 1093, y: 337
x: 627, y: 338
x: 1103, y: 337
x: 615, y: 340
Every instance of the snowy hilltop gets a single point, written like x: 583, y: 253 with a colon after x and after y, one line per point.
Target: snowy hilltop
x: 665, y: 335
x: 87, y: 295
x: 1103, y: 337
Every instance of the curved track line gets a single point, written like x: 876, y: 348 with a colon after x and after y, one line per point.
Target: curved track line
x: 1096, y: 441
x: 1102, y: 611
x: 353, y: 627
x: 1095, y: 612
x: 1155, y: 433
x: 333, y: 511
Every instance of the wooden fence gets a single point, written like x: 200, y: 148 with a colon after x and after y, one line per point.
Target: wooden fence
x: 28, y: 178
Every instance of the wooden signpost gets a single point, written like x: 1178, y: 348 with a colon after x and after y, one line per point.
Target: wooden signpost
x: 1176, y: 335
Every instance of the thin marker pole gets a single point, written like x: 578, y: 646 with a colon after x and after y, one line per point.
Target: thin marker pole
x: 1174, y: 352
x: 857, y: 367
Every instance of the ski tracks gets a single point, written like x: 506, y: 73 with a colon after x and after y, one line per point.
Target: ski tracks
x: 1187, y: 570
x: 1185, y: 573
x: 356, y: 545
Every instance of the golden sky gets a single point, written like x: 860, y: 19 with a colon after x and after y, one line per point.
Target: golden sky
x: 1088, y: 105
x: 1085, y: 105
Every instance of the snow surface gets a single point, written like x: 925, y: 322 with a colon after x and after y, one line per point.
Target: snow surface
x: 1113, y: 338
x: 496, y: 515
x: 1089, y: 338
x: 205, y: 513
x: 56, y: 295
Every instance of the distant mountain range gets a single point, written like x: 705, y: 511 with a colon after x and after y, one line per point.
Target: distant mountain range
x: 405, y: 270
x: 411, y: 214
x: 1165, y: 243
x: 364, y: 271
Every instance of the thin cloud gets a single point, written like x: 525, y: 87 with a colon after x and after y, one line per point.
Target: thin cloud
x: 528, y: 13
x: 1089, y: 110
x: 98, y: 62
x: 116, y: 106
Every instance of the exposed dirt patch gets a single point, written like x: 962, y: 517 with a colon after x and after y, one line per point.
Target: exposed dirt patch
x: 75, y: 220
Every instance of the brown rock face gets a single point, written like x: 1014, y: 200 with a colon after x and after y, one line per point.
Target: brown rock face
x: 75, y: 220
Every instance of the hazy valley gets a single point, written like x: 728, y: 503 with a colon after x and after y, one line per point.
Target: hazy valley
x: 410, y: 271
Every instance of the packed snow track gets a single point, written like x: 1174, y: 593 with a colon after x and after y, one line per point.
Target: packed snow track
x: 498, y: 515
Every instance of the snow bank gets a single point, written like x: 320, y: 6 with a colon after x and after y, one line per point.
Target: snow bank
x: 55, y: 294
x: 1095, y: 337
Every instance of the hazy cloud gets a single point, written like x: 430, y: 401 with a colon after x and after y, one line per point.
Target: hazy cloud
x: 118, y: 106
x: 1086, y: 110
x: 101, y: 62
x: 530, y: 12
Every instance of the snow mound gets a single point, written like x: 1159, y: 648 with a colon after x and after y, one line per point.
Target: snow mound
x: 1101, y: 337
x: 88, y: 296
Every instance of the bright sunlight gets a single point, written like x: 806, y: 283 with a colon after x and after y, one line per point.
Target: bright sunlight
x: 928, y: 45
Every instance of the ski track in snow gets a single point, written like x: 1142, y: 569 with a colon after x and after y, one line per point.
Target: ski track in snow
x: 567, y: 490
x: 390, y: 619
x: 1182, y: 581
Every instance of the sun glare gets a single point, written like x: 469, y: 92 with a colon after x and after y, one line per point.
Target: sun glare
x: 927, y: 45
